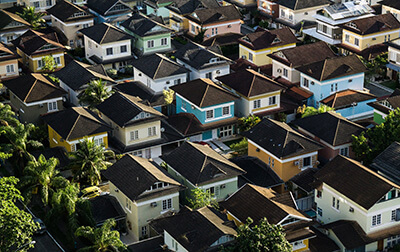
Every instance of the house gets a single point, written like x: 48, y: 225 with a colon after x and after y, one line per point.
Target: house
x: 212, y: 106
x: 108, y: 45
x: 109, y: 11
x: 8, y: 62
x: 144, y: 192
x: 159, y: 72
x: 358, y: 207
x: 70, y: 18
x: 75, y: 86
x: 33, y: 45
x: 330, y: 19
x: 158, y: 7
x: 201, y: 62
x: 256, y: 202
x: 33, y: 95
x: 204, y: 229
x: 285, y: 62
x: 302, y: 190
x: 11, y: 26
x: 366, y: 36
x: 208, y: 170
x: 40, y: 5
x: 269, y: 8
x: 384, y: 105
x: 391, y: 6
x: 331, y: 130
x: 328, y: 76
x: 150, y: 33
x: 140, y: 130
x: 285, y: 150
x: 387, y: 163
x: 106, y: 207
x: 256, y: 46
x: 393, y: 66
x: 68, y: 127
x: 220, y: 20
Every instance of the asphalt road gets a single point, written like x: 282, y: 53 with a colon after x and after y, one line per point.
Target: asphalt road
x: 44, y: 243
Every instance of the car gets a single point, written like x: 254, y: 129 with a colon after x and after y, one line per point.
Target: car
x: 90, y: 192
x: 42, y: 227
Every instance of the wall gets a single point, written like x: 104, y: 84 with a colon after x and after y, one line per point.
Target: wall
x: 3, y: 69
x: 41, y: 5
x: 298, y: 15
x: 70, y: 29
x: 361, y: 110
x: 160, y: 11
x: 260, y: 57
x: 277, y: 70
x: 388, y: 9
x: 368, y: 40
x: 141, y: 43
x: 172, y: 243
x: 158, y: 85
x: 216, y: 71
x: 232, y: 26
x: 268, y: 8
x: 92, y: 48
x: 379, y: 117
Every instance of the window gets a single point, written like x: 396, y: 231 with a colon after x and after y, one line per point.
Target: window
x: 40, y: 63
x: 356, y: 42
x: 177, y: 81
x: 144, y: 231
x: 290, y: 16
x: 209, y: 75
x: 344, y: 151
x: 183, y: 105
x: 9, y: 38
x: 166, y: 204
x: 319, y: 194
x: 395, y: 215
x: 36, y: 4
x: 285, y: 72
x: 282, y: 13
x: 164, y: 41
x: 124, y: 49
x: 376, y: 220
x: 51, y: 106
x: 305, y: 82
x: 150, y: 44
x: 10, y: 68
x: 98, y: 141
x: 269, y: 160
x: 250, y: 56
x: 324, y: 29
x: 335, y: 203
x: 225, y: 110
x: 134, y: 135
x: 393, y: 240
x: 319, y: 211
x: 272, y: 100
x: 151, y: 131
x: 193, y: 30
x: 347, y: 38
x: 257, y: 104
x: 109, y: 51
x: 226, y: 131
x: 272, y: 163
x: 209, y: 114
x: 57, y: 60
x: 334, y: 87
x: 85, y: 25
x: 128, y: 204
x: 137, y: 153
x: 306, y: 161
x: 48, y: 2
x: 216, y: 30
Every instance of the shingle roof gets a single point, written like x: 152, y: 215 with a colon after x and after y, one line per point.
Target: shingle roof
x: 6, y: 53
x: 355, y: 181
x: 250, y: 83
x: 347, y: 98
x: 302, y: 4
x: 137, y: 88
x: 330, y: 127
x: 374, y: 24
x: 188, y: 6
x: 32, y: 40
x: 204, y: 93
x: 268, y: 38
x: 388, y: 162
x: 142, y: 25
x: 153, y: 244
x: 106, y: 207
x: 304, y: 179
x: 105, y: 33
x: 207, y: 166
x: 391, y: 3
x: 58, y: 152
x: 75, y: 123
x: 34, y: 87
x: 134, y: 175
x: 393, y: 100
x: 65, y: 10
x: 280, y: 139
x: 8, y: 17
x: 215, y: 15
x: 102, y: 6
x: 349, y: 233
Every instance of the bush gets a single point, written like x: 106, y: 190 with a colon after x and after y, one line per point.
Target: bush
x: 240, y: 147
x: 129, y: 69
x: 113, y: 73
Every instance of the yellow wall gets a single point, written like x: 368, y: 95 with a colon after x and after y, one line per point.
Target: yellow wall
x: 185, y: 24
x: 32, y: 62
x: 368, y: 40
x: 260, y: 57
x: 303, y: 249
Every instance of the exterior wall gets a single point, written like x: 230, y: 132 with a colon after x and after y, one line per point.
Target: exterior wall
x: 92, y: 48
x: 32, y: 62
x: 71, y: 29
x: 268, y: 7
x: 297, y: 16
x: 6, y: 36
x: 245, y: 106
x: 159, y: 85
x: 215, y: 71
x: 277, y: 70
x: 260, y: 57
x: 368, y: 40
x: 379, y: 117
x: 246, y: 3
x: 388, y: 9
x: 178, y: 26
x: 172, y: 243
x: 361, y: 110
x: 232, y: 26
x: 160, y: 11
x: 143, y: 46
x: 40, y: 5
x: 3, y: 69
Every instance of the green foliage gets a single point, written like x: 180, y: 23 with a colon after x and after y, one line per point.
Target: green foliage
x: 54, y: 79
x: 200, y: 198
x: 95, y: 93
x: 240, y: 147
x: 262, y: 237
x: 282, y: 117
x: 30, y: 15
x: 263, y: 24
x: 7, y: 116
x: 246, y: 123
x: 168, y: 96
x: 377, y: 65
x: 113, y: 73
x: 199, y: 38
x: 129, y: 69
x: 49, y: 64
x: 309, y: 111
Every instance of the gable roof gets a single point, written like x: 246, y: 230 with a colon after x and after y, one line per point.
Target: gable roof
x: 75, y: 123
x: 65, y: 11
x: 393, y: 101
x: 207, y: 166
x: 280, y: 139
x: 330, y: 127
x: 142, y: 25
x: 347, y: 98
x: 250, y: 83
x: 374, y: 24
x: 304, y: 179
x: 355, y: 181
x: 215, y: 15
x: 391, y: 3
x: 7, y: 17
x: 137, y: 88
x: 204, y: 93
x: 106, y: 207
x: 263, y: 39
x: 6, y: 53
x: 105, y: 33
x: 302, y: 4
x: 33, y: 88
x: 134, y: 175
x: 103, y: 6
x: 33, y: 40
x: 185, y: 7
x: 388, y: 162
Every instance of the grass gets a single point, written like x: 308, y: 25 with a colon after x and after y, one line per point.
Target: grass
x: 390, y: 84
x: 228, y: 143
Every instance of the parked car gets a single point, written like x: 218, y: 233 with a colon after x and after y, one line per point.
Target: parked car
x: 90, y: 192
x: 42, y: 227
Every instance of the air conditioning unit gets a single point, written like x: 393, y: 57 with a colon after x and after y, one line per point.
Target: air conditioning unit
x: 351, y: 210
x: 222, y: 186
x: 296, y: 163
x: 116, y: 190
x: 317, y: 162
x: 41, y: 105
x: 279, y: 70
x: 218, y: 71
x: 243, y: 56
x: 153, y: 204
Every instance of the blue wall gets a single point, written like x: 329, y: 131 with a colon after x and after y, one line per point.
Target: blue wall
x: 361, y: 107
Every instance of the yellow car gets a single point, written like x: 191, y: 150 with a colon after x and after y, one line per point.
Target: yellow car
x: 90, y: 192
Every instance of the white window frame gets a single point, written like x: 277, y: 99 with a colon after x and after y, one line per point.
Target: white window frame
x: 257, y: 104
x: 125, y: 47
x: 134, y: 135
x: 164, y: 41
x: 210, y: 114
x: 285, y: 72
x: 10, y: 68
x: 151, y: 131
x: 167, y: 204
x: 109, y: 51
x: 226, y: 111
x: 344, y: 151
x: 150, y: 43
x: 272, y: 100
x: 376, y: 220
x: 52, y: 106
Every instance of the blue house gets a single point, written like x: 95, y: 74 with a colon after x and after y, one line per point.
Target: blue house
x: 109, y: 11
x: 204, y: 110
x: 326, y: 77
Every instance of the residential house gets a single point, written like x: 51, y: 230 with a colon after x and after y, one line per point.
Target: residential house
x: 143, y: 190
x: 244, y: 4
x: 40, y: 5
x: 256, y: 46
x: 108, y: 45
x: 326, y: 77
x: 391, y: 6
x: 150, y: 33
x: 285, y: 62
x: 106, y: 207
x: 70, y: 18
x: 387, y: 163
x: 67, y: 128
x: 11, y: 26
x: 330, y: 19
x: 303, y: 191
x: 208, y: 170
x: 158, y: 7
x: 205, y: 111
x: 204, y: 229
x: 270, y: 8
x: 75, y: 86
x: 366, y: 36
x: 201, y: 62
x: 159, y: 72
x: 331, y: 130
x: 359, y: 207
x: 393, y: 66
x: 137, y: 128
x: 109, y: 11
x: 285, y: 150
x: 33, y: 45
x: 8, y: 62
x: 33, y: 95
x: 256, y: 202
x: 384, y: 105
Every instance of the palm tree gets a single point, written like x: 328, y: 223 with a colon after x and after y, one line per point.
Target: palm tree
x: 309, y: 111
x: 95, y: 93
x: 7, y: 116
x: 30, y: 15
x: 103, y: 238
x: 88, y: 160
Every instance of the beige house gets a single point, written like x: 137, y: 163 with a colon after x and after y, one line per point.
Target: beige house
x: 40, y: 5
x: 11, y: 26
x: 8, y: 62
x: 391, y: 6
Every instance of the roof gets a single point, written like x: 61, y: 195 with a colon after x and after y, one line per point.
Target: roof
x: 302, y: 4
x: 7, y: 17
x: 131, y: 107
x: 142, y: 25
x: 349, y: 233
x: 184, y: 7
x: 388, y: 162
x: 322, y: 243
x: 6, y: 53
x: 32, y: 41
x: 280, y: 139
x: 204, y: 93
x: 263, y: 39
x: 223, y: 39
x: 153, y: 244
x: 105, y: 33
x: 392, y: 102
x: 355, y: 181
x: 215, y: 15
x: 207, y: 166
x: 157, y: 66
x: 330, y: 127
x: 134, y: 175
x: 76, y: 123
x: 103, y: 6
x: 332, y: 68
x: 106, y: 207
x: 85, y: 72
x: 294, y: 57
x: 250, y: 83
x: 391, y: 3
x: 66, y: 11
x: 304, y: 179
x: 137, y: 88
x: 195, y: 230
x: 34, y: 88
x: 58, y: 152
x: 347, y: 98
x: 374, y: 24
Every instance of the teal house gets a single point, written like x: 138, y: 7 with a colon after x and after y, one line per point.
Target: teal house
x: 158, y: 7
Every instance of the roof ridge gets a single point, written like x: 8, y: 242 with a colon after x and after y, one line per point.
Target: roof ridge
x: 204, y: 95
x: 73, y: 126
x: 323, y: 70
x: 251, y: 85
x: 30, y: 90
x: 202, y: 168
x: 336, y: 132
x: 108, y: 28
x: 158, y: 68
x: 334, y: 99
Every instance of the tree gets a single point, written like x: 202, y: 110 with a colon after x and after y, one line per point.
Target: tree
x: 95, y: 93
x: 246, y: 123
x: 262, y: 237
x: 200, y: 35
x: 7, y: 116
x: 103, y: 238
x: 240, y: 147
x: 30, y: 15
x: 49, y: 64
x: 201, y: 198
x: 88, y: 160
x: 309, y: 111
x: 168, y: 96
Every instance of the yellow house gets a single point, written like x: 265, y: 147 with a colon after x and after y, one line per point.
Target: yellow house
x: 8, y: 62
x: 256, y: 46
x: 390, y: 6
x: 68, y: 127
x: 32, y: 46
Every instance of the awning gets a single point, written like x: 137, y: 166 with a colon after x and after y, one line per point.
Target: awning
x: 393, y: 67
